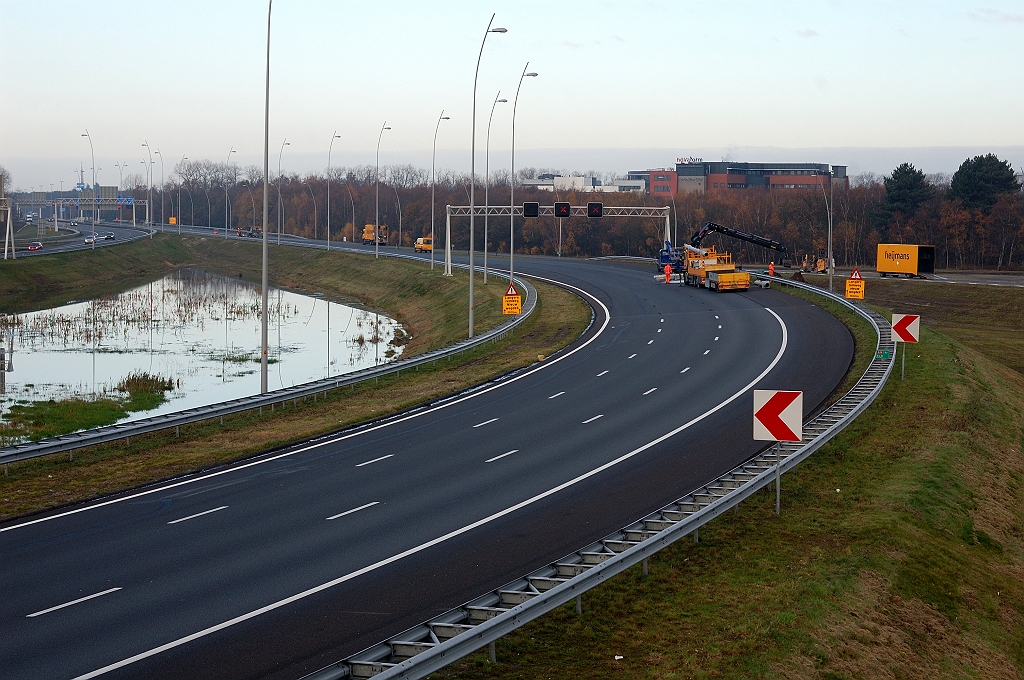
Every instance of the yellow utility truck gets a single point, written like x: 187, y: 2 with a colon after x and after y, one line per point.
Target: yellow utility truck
x: 708, y: 268
x: 382, y: 234
x: 911, y: 261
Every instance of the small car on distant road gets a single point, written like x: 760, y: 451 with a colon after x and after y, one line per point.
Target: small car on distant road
x: 423, y: 245
x: 109, y: 236
x: 90, y: 238
x: 35, y: 245
x: 74, y: 223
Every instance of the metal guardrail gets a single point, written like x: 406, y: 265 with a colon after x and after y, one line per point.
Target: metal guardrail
x: 443, y: 639
x: 135, y: 428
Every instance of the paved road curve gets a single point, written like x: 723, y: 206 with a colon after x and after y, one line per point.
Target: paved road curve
x: 280, y: 565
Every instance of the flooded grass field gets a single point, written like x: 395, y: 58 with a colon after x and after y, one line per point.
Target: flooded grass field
x: 196, y: 334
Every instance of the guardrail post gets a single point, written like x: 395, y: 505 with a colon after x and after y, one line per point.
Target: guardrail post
x: 778, y: 480
x: 696, y: 535
x: 492, y: 653
x: 645, y: 570
x: 579, y: 605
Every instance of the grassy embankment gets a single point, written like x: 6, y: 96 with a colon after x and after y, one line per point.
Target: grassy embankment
x: 899, y: 552
x: 431, y: 307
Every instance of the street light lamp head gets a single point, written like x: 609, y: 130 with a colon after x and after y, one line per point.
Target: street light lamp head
x: 445, y: 118
x: 499, y: 30
x: 387, y: 128
x: 531, y: 75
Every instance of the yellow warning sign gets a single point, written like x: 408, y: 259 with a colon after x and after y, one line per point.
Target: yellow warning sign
x: 511, y: 304
x: 855, y: 289
x: 173, y: 220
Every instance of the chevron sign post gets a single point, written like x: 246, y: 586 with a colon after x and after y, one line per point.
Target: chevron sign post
x: 905, y: 328
x: 778, y: 417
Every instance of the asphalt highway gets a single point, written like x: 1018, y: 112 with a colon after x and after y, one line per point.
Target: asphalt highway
x: 279, y: 565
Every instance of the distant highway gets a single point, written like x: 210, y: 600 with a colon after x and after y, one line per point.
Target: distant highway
x: 276, y: 566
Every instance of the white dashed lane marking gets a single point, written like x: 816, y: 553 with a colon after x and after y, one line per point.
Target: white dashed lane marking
x: 491, y: 460
x: 631, y: 356
x: 685, y: 370
x: 707, y: 351
x: 349, y: 512
x: 68, y: 604
x: 375, y: 460
x: 556, y: 395
x: 603, y: 372
x: 590, y: 420
x: 649, y: 391
x: 198, y: 514
x: 485, y: 422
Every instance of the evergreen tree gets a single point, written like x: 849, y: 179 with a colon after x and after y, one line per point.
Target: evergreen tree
x: 906, y: 189
x: 980, y: 180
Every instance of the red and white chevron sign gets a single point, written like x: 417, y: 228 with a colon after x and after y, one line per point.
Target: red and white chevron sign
x: 778, y: 415
x: 906, y: 327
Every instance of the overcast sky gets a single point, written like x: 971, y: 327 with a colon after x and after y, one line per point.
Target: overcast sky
x: 622, y: 85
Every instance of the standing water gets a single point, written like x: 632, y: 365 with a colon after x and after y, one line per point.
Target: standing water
x: 199, y: 330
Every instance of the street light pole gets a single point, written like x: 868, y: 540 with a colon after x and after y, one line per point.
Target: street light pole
x: 329, y: 149
x: 376, y: 182
x: 512, y: 180
x: 161, y: 190
x: 180, y: 182
x: 149, y: 185
x: 227, y: 199
x: 433, y: 158
x: 92, y: 153
x: 314, y: 207
x: 472, y: 169
x: 280, y: 207
x: 828, y: 207
x: 397, y: 198
x: 487, y: 176
x: 265, y: 280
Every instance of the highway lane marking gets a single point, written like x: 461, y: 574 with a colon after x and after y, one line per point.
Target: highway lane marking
x: 355, y: 433
x: 649, y: 391
x: 68, y: 604
x: 603, y: 372
x: 486, y: 422
x: 390, y: 455
x: 716, y: 316
x: 685, y: 370
x: 659, y: 330
x: 663, y: 321
x: 349, y: 512
x: 707, y: 351
x: 590, y: 420
x: 451, y: 534
x: 631, y: 356
x: 716, y: 338
x: 491, y: 460
x: 719, y: 326
x: 650, y: 341
x: 198, y: 514
x: 556, y: 395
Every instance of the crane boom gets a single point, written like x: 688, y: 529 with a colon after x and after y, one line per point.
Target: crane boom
x: 735, y: 233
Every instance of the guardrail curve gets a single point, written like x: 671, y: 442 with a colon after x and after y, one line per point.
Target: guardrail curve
x: 434, y: 644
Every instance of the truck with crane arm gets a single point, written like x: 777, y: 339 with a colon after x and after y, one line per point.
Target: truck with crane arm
x: 708, y: 268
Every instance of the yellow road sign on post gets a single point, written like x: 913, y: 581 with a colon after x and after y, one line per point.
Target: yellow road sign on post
x: 511, y: 301
x: 855, y: 289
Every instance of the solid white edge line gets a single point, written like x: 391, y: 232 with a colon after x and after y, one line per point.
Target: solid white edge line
x: 348, y: 435
x: 491, y: 460
x: 68, y: 604
x: 486, y: 422
x: 452, y: 534
x: 649, y: 391
x: 590, y: 420
x: 198, y: 514
x: 390, y: 455
x: 349, y: 512
x: 556, y: 395
x: 601, y: 373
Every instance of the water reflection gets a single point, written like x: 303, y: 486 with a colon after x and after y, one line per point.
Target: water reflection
x: 200, y: 329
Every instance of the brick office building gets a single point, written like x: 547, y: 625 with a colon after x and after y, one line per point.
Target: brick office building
x: 694, y: 175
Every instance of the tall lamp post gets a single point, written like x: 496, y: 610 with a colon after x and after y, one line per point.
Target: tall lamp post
x: 227, y: 199
x: 265, y: 280
x: 472, y: 168
x: 329, y: 149
x: 828, y: 207
x: 487, y: 176
x: 161, y: 190
x: 92, y: 153
x: 120, y: 180
x: 376, y: 182
x: 314, y: 207
x: 149, y: 184
x: 280, y: 206
x: 182, y: 181
x: 512, y: 180
x: 433, y: 158
x: 353, y: 202
x: 397, y: 198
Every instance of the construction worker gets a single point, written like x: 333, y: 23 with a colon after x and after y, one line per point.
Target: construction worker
x: 668, y: 273
x: 771, y: 269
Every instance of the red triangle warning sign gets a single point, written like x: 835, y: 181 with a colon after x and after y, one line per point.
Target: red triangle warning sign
x: 511, y: 290
x: 855, y: 276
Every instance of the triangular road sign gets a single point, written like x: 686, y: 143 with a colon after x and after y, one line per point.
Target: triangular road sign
x: 855, y: 276
x: 511, y: 290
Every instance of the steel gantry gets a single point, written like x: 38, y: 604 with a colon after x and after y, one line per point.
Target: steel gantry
x: 656, y: 212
